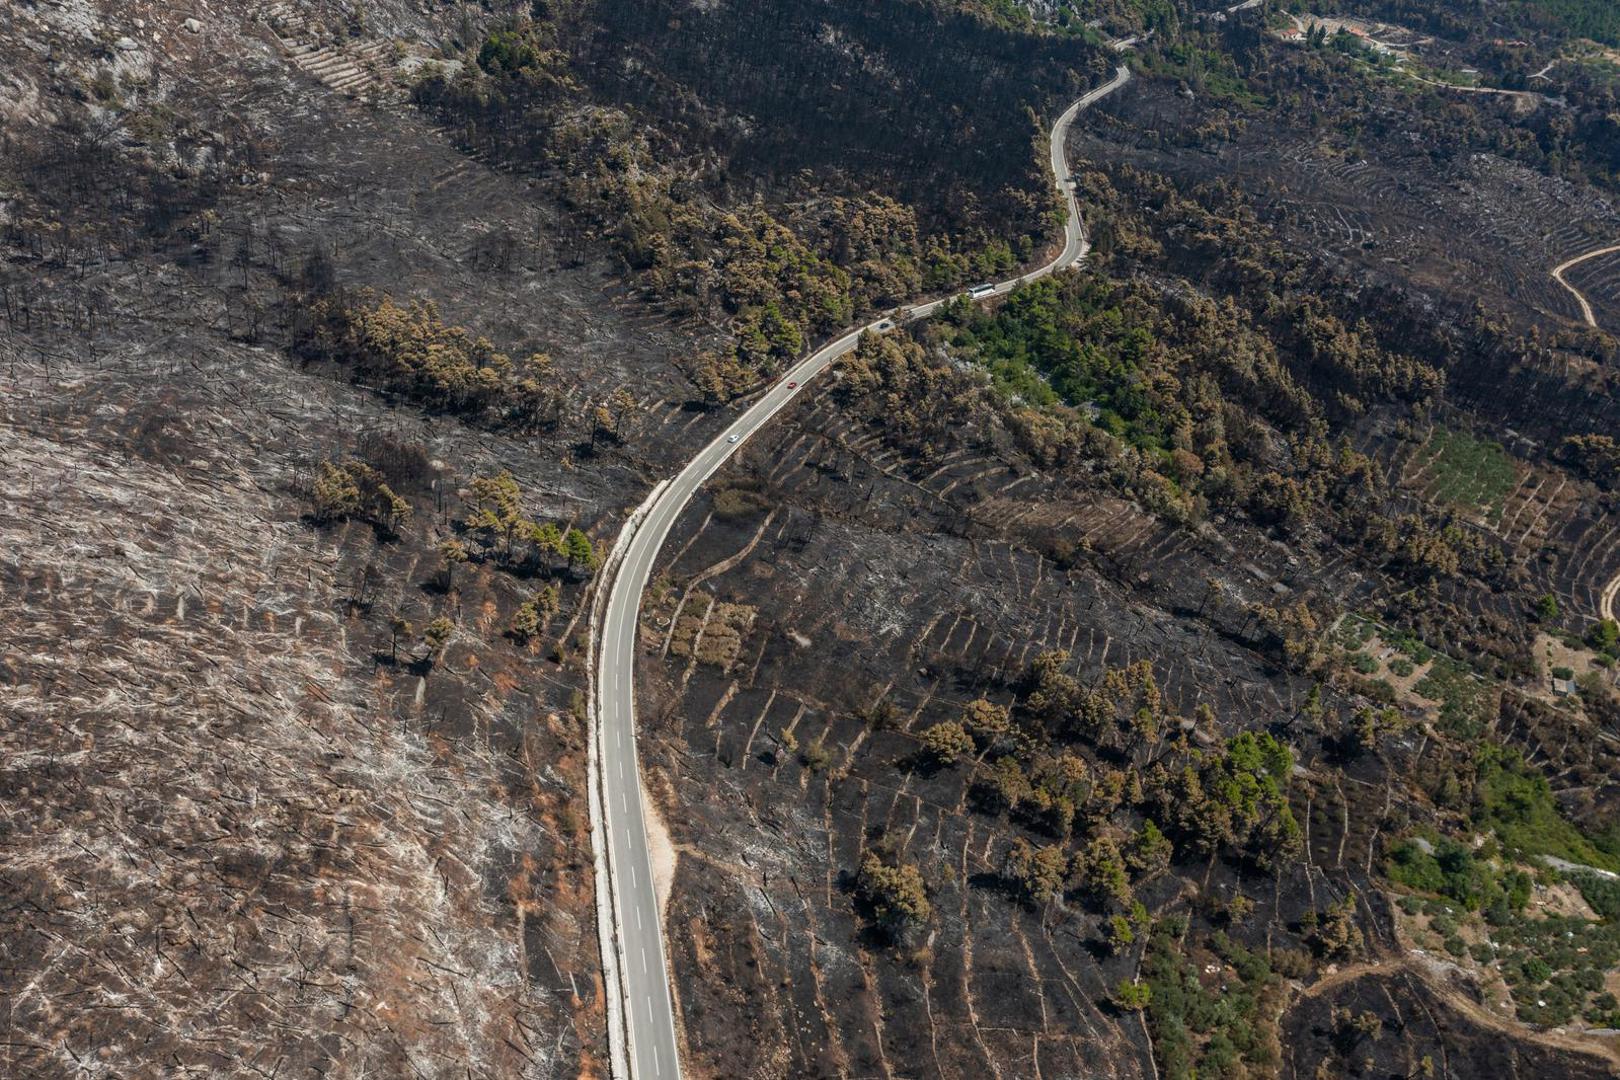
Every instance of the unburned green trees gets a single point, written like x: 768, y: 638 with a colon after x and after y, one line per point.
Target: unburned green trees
x: 577, y: 547
x: 1132, y: 996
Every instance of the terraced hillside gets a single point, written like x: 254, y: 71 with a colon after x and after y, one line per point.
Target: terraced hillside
x: 1193, y: 664
x: 925, y: 586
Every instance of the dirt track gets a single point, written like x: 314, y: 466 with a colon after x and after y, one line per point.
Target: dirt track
x: 1435, y: 974
x: 1586, y: 308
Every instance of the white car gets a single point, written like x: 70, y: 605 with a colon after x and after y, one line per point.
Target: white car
x: 733, y: 438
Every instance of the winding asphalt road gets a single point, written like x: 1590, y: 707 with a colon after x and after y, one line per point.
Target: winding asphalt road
x: 650, y: 1046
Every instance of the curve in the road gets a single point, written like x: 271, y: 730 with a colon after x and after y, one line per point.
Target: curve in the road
x: 634, y: 956
x: 1558, y: 276
x: 1611, y: 592
x: 1521, y: 95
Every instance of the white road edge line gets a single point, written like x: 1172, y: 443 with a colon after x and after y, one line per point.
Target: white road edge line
x: 607, y: 897
x: 616, y: 609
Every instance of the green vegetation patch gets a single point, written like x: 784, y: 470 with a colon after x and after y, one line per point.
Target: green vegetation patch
x: 1411, y: 646
x: 1363, y: 663
x: 1081, y: 348
x: 1465, y: 699
x: 1555, y: 968
x: 1454, y: 870
x: 1354, y: 631
x: 1602, y: 893
x: 1207, y: 1031
x: 1604, y: 638
x: 1515, y: 801
x: 1210, y: 72
x: 1467, y: 472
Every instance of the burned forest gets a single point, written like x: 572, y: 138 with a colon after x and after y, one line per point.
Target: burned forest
x: 937, y: 538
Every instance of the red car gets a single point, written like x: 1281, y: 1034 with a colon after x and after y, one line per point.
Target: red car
x: 793, y: 386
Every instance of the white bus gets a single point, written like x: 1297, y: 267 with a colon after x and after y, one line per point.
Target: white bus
x: 979, y: 292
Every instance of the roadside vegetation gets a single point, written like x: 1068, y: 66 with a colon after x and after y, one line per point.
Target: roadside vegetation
x: 774, y: 273
x: 1186, y: 402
